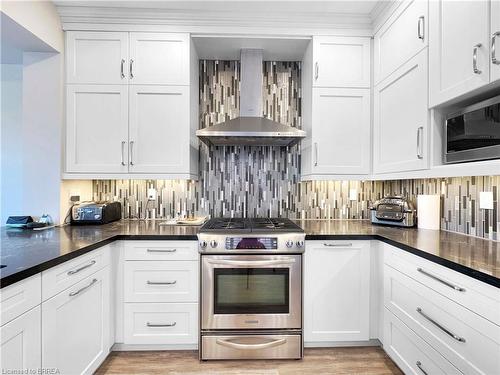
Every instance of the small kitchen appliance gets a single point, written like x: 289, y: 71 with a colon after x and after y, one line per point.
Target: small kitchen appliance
x: 395, y: 210
x: 95, y: 213
x: 251, y: 289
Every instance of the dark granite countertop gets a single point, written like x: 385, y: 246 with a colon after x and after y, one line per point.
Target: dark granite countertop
x: 26, y: 253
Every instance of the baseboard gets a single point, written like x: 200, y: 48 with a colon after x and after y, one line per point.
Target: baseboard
x: 130, y: 347
x: 338, y: 344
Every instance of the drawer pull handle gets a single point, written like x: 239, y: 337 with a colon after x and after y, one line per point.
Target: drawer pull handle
x: 445, y: 330
x: 419, y: 365
x: 72, y: 294
x: 161, y: 250
x: 453, y: 286
x: 72, y: 272
x: 265, y: 345
x: 162, y: 282
x: 161, y: 325
x: 349, y: 244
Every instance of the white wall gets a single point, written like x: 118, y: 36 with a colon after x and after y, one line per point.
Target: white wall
x: 83, y: 188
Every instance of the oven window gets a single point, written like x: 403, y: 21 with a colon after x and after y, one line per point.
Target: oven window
x: 251, y: 290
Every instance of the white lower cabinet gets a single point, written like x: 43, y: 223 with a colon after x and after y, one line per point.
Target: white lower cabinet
x: 20, y: 344
x: 75, y: 326
x: 336, y: 291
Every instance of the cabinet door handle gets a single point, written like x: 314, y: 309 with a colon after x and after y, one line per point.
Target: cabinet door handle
x: 122, y: 73
x: 72, y: 272
x: 161, y: 325
x: 162, y: 282
x: 474, y: 58
x: 131, y: 68
x: 421, y: 27
x: 441, y: 327
x: 131, y: 148
x: 494, y: 59
x: 316, y: 71
x: 315, y: 154
x: 450, y: 285
x: 123, y: 152
x: 161, y: 250
x: 420, y: 130
x: 419, y: 365
x: 338, y: 244
x: 72, y: 294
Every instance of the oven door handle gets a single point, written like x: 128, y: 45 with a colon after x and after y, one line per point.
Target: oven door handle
x: 251, y: 263
x: 265, y: 345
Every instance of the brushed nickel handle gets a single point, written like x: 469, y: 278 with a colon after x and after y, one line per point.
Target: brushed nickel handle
x: 265, y: 345
x: 131, y: 68
x: 131, y: 148
x: 316, y: 70
x: 72, y: 294
x: 161, y: 325
x: 494, y: 59
x: 122, y: 74
x: 162, y: 282
x: 474, y: 59
x: 349, y: 244
x: 161, y: 250
x: 441, y: 327
x: 251, y: 263
x: 419, y: 142
x: 419, y: 365
x: 72, y: 272
x: 421, y: 27
x: 123, y: 152
x: 315, y: 154
x: 434, y: 277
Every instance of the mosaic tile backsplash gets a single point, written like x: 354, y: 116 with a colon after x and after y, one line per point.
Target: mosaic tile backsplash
x: 265, y: 181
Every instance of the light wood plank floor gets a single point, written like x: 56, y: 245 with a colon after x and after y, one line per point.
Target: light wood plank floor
x: 362, y: 360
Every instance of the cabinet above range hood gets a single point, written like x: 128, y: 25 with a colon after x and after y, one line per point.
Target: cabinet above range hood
x: 250, y: 129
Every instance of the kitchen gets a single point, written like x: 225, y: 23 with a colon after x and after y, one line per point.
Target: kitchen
x: 250, y: 187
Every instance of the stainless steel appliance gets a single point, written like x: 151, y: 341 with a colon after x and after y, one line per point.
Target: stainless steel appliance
x: 95, y: 213
x: 251, y: 289
x: 473, y: 133
x: 397, y: 211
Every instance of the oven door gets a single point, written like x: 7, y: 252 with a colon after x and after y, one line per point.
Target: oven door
x: 251, y: 292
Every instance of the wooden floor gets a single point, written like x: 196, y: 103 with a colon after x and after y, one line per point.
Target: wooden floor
x: 363, y: 360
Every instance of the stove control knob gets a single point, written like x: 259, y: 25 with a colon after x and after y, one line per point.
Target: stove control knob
x: 203, y: 244
x: 213, y: 243
x: 289, y: 243
x: 300, y: 243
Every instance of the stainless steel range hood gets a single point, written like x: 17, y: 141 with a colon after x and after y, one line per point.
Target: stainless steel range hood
x: 250, y: 129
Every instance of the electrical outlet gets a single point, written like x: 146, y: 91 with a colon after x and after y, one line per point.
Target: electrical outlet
x: 486, y: 200
x: 353, y: 194
x: 152, y: 194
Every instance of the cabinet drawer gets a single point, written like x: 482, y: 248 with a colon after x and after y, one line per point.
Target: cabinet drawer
x: 479, y: 297
x: 69, y: 273
x: 161, y: 281
x: 20, y: 297
x: 470, y: 342
x: 412, y: 354
x: 161, y: 323
x: 161, y: 250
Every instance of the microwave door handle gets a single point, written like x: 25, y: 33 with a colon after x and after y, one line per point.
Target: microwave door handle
x: 251, y: 263
x: 264, y: 345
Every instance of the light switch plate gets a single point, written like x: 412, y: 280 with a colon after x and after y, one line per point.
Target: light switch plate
x: 353, y: 194
x: 486, y: 200
x: 152, y: 194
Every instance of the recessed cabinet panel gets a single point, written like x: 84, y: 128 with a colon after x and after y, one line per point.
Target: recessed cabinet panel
x: 159, y: 129
x: 96, y: 57
x: 159, y: 58
x: 495, y: 40
x: 96, y: 128
x: 341, y: 135
x: 401, y: 119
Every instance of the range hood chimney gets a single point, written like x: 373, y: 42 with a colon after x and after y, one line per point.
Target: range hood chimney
x: 250, y: 129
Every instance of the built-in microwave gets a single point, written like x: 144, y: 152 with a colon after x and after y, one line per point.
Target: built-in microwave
x: 473, y: 133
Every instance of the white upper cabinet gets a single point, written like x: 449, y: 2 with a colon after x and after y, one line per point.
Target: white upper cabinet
x: 96, y: 57
x: 159, y: 58
x: 459, y: 48
x: 159, y: 129
x: 401, y: 37
x: 341, y: 134
x: 495, y: 40
x: 96, y: 128
x: 341, y: 62
x: 401, y: 119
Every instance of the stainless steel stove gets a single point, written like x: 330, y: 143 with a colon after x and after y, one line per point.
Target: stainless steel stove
x: 251, y: 289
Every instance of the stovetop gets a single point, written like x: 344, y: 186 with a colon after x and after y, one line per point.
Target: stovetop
x: 252, y: 225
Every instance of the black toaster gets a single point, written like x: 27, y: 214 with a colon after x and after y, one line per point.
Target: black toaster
x: 96, y: 213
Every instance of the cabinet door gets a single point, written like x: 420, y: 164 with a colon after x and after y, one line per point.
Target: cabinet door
x: 341, y: 131
x: 96, y: 57
x: 401, y: 118
x: 336, y: 291
x: 159, y: 58
x: 459, y: 31
x: 341, y: 62
x: 495, y: 40
x: 20, y: 343
x: 96, y: 128
x: 75, y: 325
x: 400, y: 38
x: 159, y: 129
